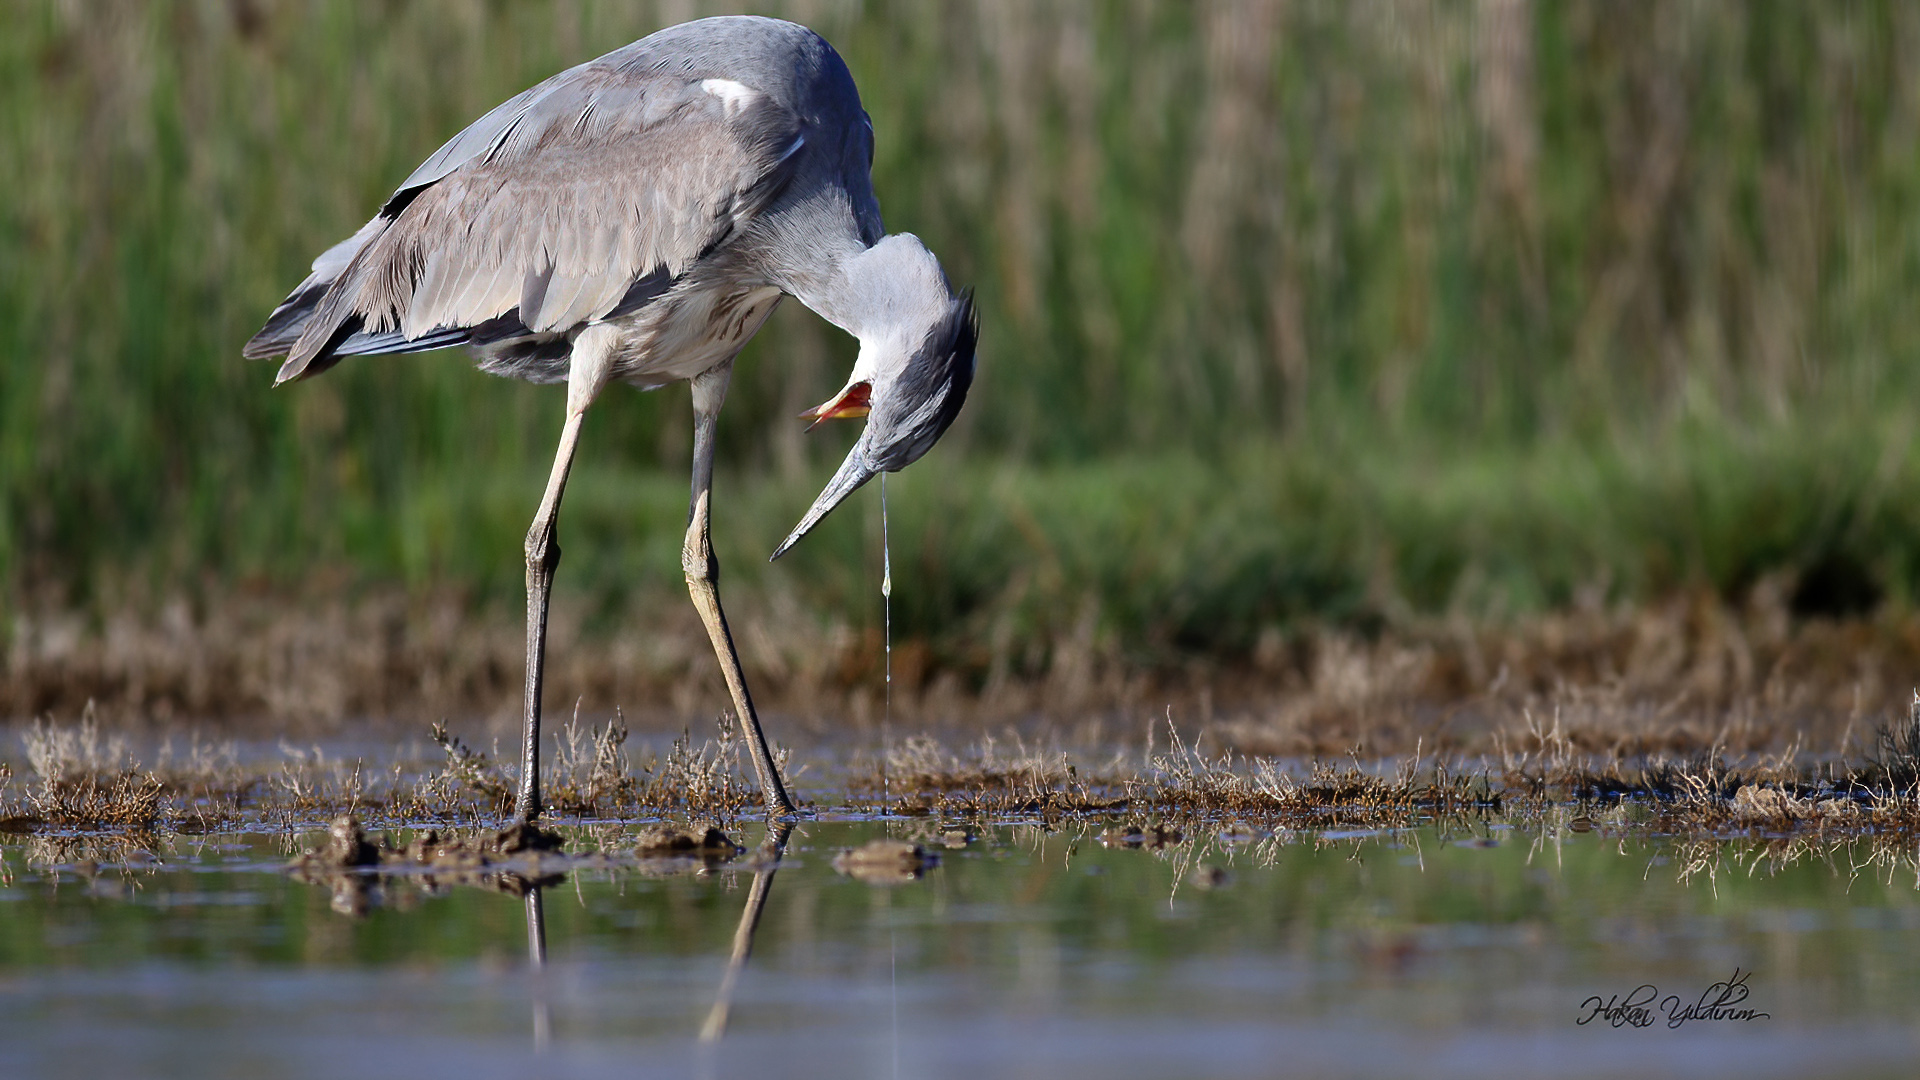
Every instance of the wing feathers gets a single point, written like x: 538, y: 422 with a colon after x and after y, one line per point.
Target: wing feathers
x: 562, y: 203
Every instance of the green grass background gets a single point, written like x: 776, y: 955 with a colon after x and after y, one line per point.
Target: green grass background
x: 1308, y: 312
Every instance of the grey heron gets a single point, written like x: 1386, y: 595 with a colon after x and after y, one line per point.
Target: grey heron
x: 637, y: 218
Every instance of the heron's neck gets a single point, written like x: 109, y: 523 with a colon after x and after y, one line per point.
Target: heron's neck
x: 890, y: 293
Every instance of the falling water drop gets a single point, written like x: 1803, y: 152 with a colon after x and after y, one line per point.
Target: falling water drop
x: 886, y: 751
x: 886, y: 599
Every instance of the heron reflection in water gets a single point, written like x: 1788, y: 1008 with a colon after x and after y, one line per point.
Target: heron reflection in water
x: 715, y: 1025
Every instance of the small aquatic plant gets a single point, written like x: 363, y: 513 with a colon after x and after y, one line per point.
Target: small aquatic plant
x: 83, y: 782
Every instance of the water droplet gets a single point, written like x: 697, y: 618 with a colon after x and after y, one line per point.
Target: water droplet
x: 886, y: 588
x: 886, y: 600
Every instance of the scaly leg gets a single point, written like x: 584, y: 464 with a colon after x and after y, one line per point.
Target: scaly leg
x: 703, y: 581
x: 592, y: 361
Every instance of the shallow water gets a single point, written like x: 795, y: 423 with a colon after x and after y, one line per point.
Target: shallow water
x: 1025, y: 953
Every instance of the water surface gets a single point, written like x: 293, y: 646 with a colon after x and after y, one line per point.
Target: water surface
x: 1027, y: 952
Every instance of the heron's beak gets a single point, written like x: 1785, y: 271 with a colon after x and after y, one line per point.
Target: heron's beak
x: 854, y: 471
x: 849, y: 404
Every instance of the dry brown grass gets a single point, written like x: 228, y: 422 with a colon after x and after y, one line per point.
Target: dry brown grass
x: 1688, y: 674
x: 1708, y: 744
x: 87, y: 781
x: 83, y: 782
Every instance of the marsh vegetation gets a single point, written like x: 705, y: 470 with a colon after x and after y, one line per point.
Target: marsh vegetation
x: 1567, y: 767
x: 1310, y: 329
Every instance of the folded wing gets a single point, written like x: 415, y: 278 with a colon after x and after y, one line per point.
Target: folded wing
x: 581, y: 198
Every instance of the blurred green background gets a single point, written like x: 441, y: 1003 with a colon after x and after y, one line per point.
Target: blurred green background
x: 1292, y: 312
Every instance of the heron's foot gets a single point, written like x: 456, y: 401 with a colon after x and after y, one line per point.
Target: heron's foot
x: 781, y: 812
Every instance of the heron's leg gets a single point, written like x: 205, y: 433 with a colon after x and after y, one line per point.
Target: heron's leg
x: 543, y: 556
x: 592, y: 360
x: 703, y: 581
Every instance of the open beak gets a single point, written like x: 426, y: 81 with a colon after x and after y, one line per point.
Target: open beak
x: 854, y: 471
x: 849, y: 404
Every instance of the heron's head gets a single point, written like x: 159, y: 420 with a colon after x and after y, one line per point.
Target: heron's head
x: 909, y: 382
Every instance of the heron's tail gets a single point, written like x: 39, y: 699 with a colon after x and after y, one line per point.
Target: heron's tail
x: 291, y: 320
x: 286, y: 323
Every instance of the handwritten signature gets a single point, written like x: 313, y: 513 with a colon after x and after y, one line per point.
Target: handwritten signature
x: 1721, y: 1001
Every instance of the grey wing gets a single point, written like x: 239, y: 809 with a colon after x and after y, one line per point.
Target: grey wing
x: 479, y: 138
x: 573, y: 202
